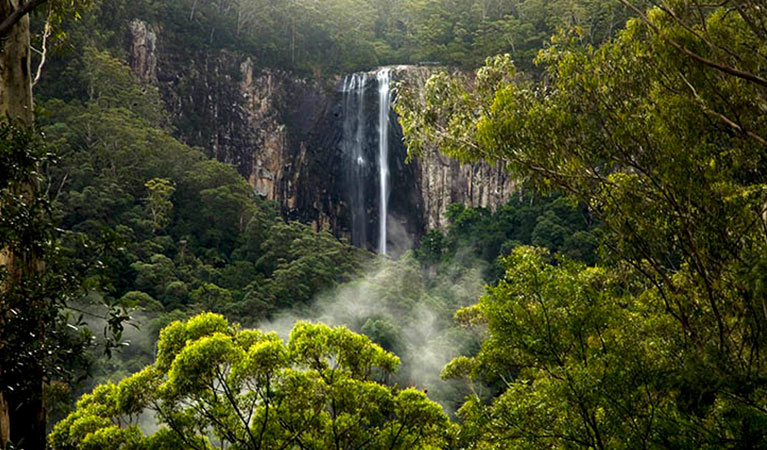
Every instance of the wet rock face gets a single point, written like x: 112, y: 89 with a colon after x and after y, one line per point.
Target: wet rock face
x: 285, y: 135
x: 358, y: 106
x: 445, y: 182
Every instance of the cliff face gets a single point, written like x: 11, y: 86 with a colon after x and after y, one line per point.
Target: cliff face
x: 285, y: 135
x: 443, y: 180
x: 143, y: 51
x: 219, y: 102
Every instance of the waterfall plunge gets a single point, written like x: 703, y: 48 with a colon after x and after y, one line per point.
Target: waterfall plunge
x: 384, y: 106
x: 355, y: 138
x: 354, y: 146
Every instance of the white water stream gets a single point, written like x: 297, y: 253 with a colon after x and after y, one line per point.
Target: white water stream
x: 354, y: 145
x: 384, y: 107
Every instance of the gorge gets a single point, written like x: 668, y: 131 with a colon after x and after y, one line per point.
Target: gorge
x: 369, y: 224
x: 314, y: 145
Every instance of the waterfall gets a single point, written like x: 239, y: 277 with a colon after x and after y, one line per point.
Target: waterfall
x: 359, y: 153
x: 353, y: 145
x: 384, y: 107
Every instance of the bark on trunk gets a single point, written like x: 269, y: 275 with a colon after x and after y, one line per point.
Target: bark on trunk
x: 22, y: 416
x: 15, y: 70
x: 5, y: 426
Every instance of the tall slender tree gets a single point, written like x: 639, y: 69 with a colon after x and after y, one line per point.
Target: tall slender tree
x: 15, y: 64
x: 22, y: 414
x: 15, y: 106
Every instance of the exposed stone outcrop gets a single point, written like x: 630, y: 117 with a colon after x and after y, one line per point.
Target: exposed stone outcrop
x: 278, y: 130
x: 443, y: 180
x: 284, y: 134
x: 143, y: 51
x: 269, y: 146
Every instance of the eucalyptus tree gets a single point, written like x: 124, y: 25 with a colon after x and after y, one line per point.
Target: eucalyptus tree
x: 662, y: 133
x: 16, y: 59
x: 214, y: 385
x: 32, y: 287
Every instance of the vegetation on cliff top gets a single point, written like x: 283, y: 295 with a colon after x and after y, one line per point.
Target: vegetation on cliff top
x: 340, y: 36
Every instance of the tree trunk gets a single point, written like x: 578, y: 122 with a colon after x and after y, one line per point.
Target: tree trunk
x: 27, y: 417
x: 5, y: 426
x: 15, y: 70
x: 22, y: 416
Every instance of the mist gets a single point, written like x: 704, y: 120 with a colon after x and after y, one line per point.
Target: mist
x: 408, y: 310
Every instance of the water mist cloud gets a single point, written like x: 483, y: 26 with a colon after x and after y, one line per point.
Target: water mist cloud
x: 406, y: 310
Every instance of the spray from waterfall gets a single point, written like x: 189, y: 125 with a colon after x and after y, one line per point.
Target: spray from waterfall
x: 384, y: 107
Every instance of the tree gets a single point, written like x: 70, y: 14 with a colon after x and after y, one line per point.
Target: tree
x: 158, y: 202
x: 216, y: 383
x: 583, y: 365
x: 303, y: 262
x: 15, y: 62
x: 661, y: 132
x: 210, y: 297
x: 18, y: 265
x: 35, y: 343
x: 27, y: 422
x: 16, y: 107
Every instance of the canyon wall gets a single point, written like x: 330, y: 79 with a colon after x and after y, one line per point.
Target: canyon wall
x: 284, y: 134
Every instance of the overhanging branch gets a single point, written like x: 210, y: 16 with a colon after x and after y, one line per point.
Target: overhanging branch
x: 13, y: 18
x: 721, y: 67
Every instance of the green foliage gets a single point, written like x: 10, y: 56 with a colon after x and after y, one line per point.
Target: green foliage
x: 555, y: 223
x: 586, y: 362
x: 464, y: 33
x: 407, y: 309
x: 191, y: 229
x: 302, y: 263
x: 217, y: 383
x: 567, y: 341
x: 661, y: 347
x: 151, y: 224
x: 655, y: 345
x: 40, y: 341
x: 337, y: 36
x: 158, y: 203
x: 384, y: 333
x: 210, y: 297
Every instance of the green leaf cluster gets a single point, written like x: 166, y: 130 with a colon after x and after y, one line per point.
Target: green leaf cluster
x: 152, y: 224
x: 192, y: 232
x: 555, y: 223
x: 661, y: 132
x: 339, y: 36
x: 217, y: 386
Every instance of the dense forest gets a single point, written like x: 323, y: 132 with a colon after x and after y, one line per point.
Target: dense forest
x: 344, y: 35
x: 151, y: 298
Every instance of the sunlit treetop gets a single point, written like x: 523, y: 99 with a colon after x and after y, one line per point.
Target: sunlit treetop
x: 215, y: 385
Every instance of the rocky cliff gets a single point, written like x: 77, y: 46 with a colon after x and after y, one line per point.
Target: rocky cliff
x: 443, y: 180
x: 284, y: 134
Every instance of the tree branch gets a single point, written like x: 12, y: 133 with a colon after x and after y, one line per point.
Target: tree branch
x: 25, y: 8
x: 43, y: 51
x: 707, y: 62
